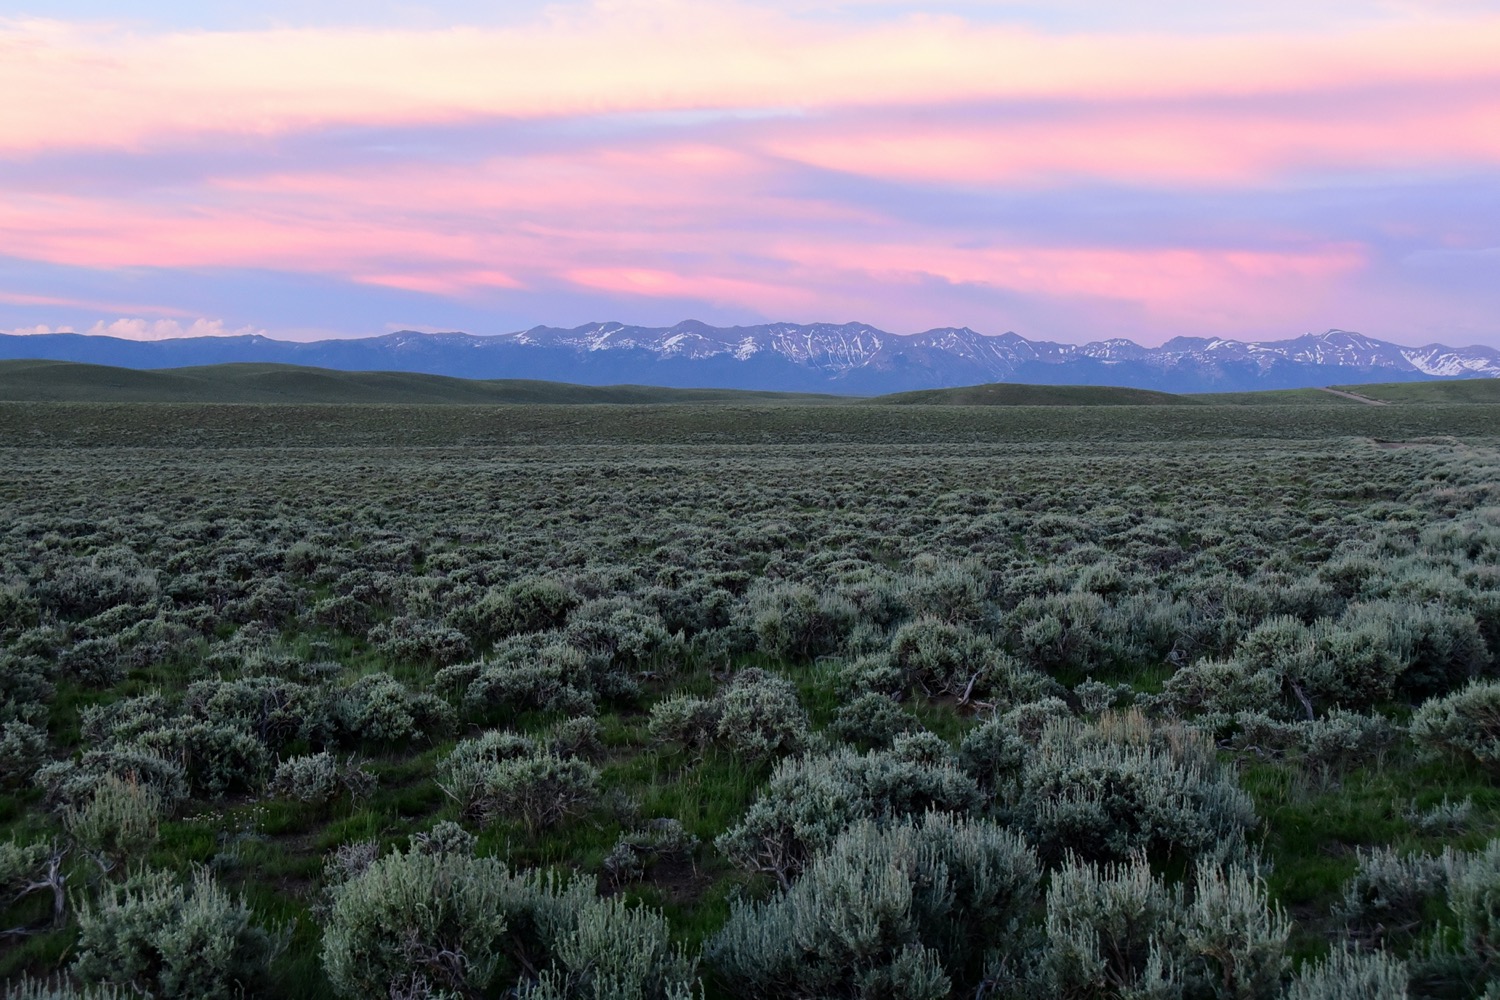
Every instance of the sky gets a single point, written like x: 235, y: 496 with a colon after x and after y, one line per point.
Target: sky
x: 1070, y: 170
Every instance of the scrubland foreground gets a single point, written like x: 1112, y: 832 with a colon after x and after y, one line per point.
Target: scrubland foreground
x: 658, y: 702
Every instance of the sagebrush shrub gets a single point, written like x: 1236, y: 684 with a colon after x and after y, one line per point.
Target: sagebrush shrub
x: 555, y: 678
x: 23, y: 747
x: 1465, y: 724
x: 117, y: 823
x: 685, y: 722
x: 380, y: 709
x: 538, y: 604
x: 1347, y: 974
x: 810, y: 800
x: 437, y: 920
x: 1117, y: 930
x: 992, y: 753
x: 68, y: 782
x: 60, y: 989
x: 505, y: 775
x: 408, y: 639
x: 317, y: 779
x: 760, y: 716
x: 1222, y: 688
x: 422, y: 923
x: 793, y: 621
x: 1108, y: 789
x: 934, y: 893
x: 943, y: 658
x: 158, y: 936
x: 1388, y: 895
x: 872, y: 721
x: 217, y: 759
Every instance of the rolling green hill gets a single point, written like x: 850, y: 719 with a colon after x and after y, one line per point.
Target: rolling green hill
x: 1011, y: 394
x: 67, y: 381
x: 1467, y: 390
x: 74, y: 382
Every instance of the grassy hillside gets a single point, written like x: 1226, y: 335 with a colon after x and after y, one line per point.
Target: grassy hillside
x: 67, y: 381
x: 1009, y: 394
x: 1467, y: 390
x: 1274, y: 397
x: 33, y: 381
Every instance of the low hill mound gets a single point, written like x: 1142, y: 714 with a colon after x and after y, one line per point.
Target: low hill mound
x: 1011, y: 394
x: 71, y: 381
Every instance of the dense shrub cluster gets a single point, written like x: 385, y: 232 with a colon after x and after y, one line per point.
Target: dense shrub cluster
x: 436, y: 922
x: 755, y: 716
x: 502, y: 774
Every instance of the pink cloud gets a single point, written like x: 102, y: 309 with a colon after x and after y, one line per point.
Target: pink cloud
x: 760, y: 296
x: 1172, y: 285
x: 1212, y: 145
x: 98, y: 86
x: 30, y: 299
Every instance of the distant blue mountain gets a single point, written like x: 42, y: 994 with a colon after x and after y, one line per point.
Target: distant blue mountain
x: 851, y: 358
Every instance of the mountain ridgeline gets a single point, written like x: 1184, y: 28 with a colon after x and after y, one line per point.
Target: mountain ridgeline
x: 847, y: 359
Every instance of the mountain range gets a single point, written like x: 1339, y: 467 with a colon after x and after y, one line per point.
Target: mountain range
x: 850, y: 358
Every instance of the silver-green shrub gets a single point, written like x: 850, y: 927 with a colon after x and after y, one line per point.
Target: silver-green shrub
x: 872, y: 721
x: 1347, y: 974
x: 943, y: 658
x: 1387, y: 897
x: 423, y: 919
x: 1117, y: 930
x: 810, y: 800
x: 992, y: 753
x: 685, y: 722
x: 1108, y: 789
x: 1465, y: 724
x: 160, y: 937
x: 793, y: 621
x: 23, y: 747
x: 502, y: 774
x: 522, y: 675
x: 426, y: 923
x: 900, y: 910
x: 319, y: 778
x: 760, y: 716
x: 218, y: 759
x: 408, y: 639
x: 1220, y: 688
x: 756, y: 716
x: 117, y: 823
x: 536, y: 604
x: 1474, y: 899
x: 380, y: 709
x: 60, y: 989
x: 69, y: 782
x: 613, y: 950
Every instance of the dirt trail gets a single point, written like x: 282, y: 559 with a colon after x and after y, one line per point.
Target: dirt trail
x: 1355, y: 396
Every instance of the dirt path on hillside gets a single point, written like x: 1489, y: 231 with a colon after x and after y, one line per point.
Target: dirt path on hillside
x: 1354, y: 396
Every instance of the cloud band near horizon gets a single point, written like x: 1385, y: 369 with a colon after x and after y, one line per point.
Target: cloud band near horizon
x: 654, y: 159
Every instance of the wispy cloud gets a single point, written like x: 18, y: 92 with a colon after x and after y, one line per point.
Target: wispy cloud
x: 986, y: 164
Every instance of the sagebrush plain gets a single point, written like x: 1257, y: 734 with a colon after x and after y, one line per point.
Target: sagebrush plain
x: 750, y: 699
